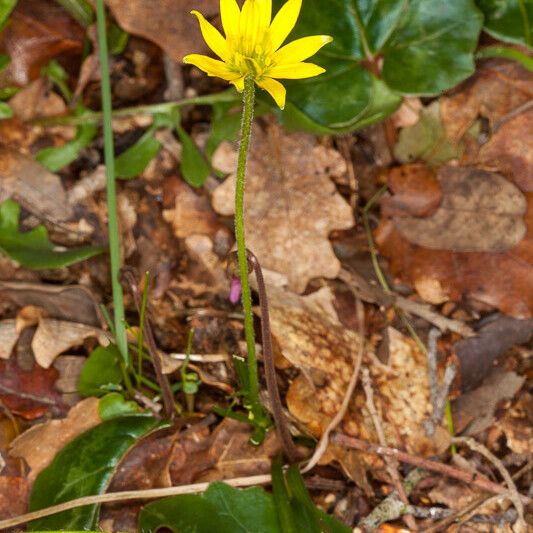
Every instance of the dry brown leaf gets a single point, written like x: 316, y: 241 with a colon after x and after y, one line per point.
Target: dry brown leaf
x: 291, y: 205
x: 53, y: 337
x: 167, y: 23
x: 496, y: 89
x: 480, y: 212
x: 509, y: 150
x: 500, y: 279
x: 34, y: 187
x: 8, y: 337
x: 38, y: 31
x: 325, y: 351
x: 14, y: 495
x: 190, y: 214
x: 39, y: 444
x: 69, y: 368
x: 60, y: 302
x: 415, y: 189
x: 517, y: 425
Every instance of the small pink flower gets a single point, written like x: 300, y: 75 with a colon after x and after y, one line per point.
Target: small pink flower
x: 235, y: 290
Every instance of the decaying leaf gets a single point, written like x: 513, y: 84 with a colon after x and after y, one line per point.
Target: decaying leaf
x: 30, y: 184
x: 54, y: 337
x: 325, y: 352
x: 291, y: 204
x: 165, y: 22
x: 39, y: 444
x: 28, y: 393
x: 509, y: 150
x: 473, y: 412
x: 517, y: 425
x: 477, y: 354
x: 38, y: 31
x: 480, y: 212
x: 59, y: 302
x: 8, y: 337
x: 500, y: 279
x: 14, y: 495
x: 496, y: 89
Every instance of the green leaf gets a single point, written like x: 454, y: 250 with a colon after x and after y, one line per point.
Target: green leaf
x: 118, y: 39
x: 57, y: 157
x: 33, y: 249
x: 225, y: 126
x: 194, y: 167
x: 7, y: 92
x: 425, y: 46
x: 6, y: 6
x: 221, y: 508
x: 5, y: 111
x: 84, y: 467
x: 509, y: 20
x: 114, y: 404
x: 4, y: 61
x: 506, y: 52
x: 135, y: 159
x: 57, y: 75
x: 101, y: 371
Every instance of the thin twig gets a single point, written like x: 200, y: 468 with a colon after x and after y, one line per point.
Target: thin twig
x: 166, y: 391
x: 514, y: 495
x: 287, y: 443
x: 392, y: 464
x: 148, y: 494
x: 324, y: 440
x: 468, y: 477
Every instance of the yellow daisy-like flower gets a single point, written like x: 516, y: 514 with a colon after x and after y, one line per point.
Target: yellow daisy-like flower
x: 252, y: 46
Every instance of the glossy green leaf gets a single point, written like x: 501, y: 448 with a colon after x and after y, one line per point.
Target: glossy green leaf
x: 135, y: 159
x: 425, y: 46
x: 113, y: 404
x: 57, y: 157
x: 33, y: 249
x: 221, y: 509
x: 84, y: 467
x: 506, y: 52
x: 509, y: 20
x: 194, y: 167
x: 6, y: 6
x: 5, y: 111
x: 101, y: 373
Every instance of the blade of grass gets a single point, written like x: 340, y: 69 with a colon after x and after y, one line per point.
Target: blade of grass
x: 109, y: 157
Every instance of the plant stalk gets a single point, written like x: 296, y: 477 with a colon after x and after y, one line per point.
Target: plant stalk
x: 246, y: 128
x: 109, y: 157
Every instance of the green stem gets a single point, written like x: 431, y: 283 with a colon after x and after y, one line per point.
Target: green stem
x: 109, y: 156
x: 246, y: 128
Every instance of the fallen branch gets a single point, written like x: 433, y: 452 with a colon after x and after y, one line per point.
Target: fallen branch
x: 434, y: 466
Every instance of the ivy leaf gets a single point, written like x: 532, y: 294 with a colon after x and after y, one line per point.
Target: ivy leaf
x: 57, y: 157
x: 509, y: 20
x: 84, y: 467
x: 101, y: 372
x: 33, y: 249
x: 221, y: 508
x: 426, y: 46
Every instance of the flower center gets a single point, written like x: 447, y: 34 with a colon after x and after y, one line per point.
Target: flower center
x: 251, y: 56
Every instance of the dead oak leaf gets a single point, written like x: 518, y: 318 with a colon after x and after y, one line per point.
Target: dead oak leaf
x: 496, y: 89
x: 500, y: 279
x: 509, y: 150
x: 168, y: 23
x: 291, y: 204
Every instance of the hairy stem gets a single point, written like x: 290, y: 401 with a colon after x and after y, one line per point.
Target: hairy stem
x: 109, y: 156
x: 246, y: 128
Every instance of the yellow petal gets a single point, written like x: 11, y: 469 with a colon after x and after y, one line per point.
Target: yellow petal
x: 295, y: 71
x: 212, y: 37
x: 300, y: 49
x: 266, y: 12
x: 212, y: 67
x: 250, y: 26
x: 230, y: 14
x: 239, y: 84
x: 275, y: 89
x: 284, y: 22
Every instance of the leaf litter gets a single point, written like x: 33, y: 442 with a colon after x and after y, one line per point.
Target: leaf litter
x: 455, y: 228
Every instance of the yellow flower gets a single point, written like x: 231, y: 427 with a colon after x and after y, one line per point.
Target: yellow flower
x: 252, y: 46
